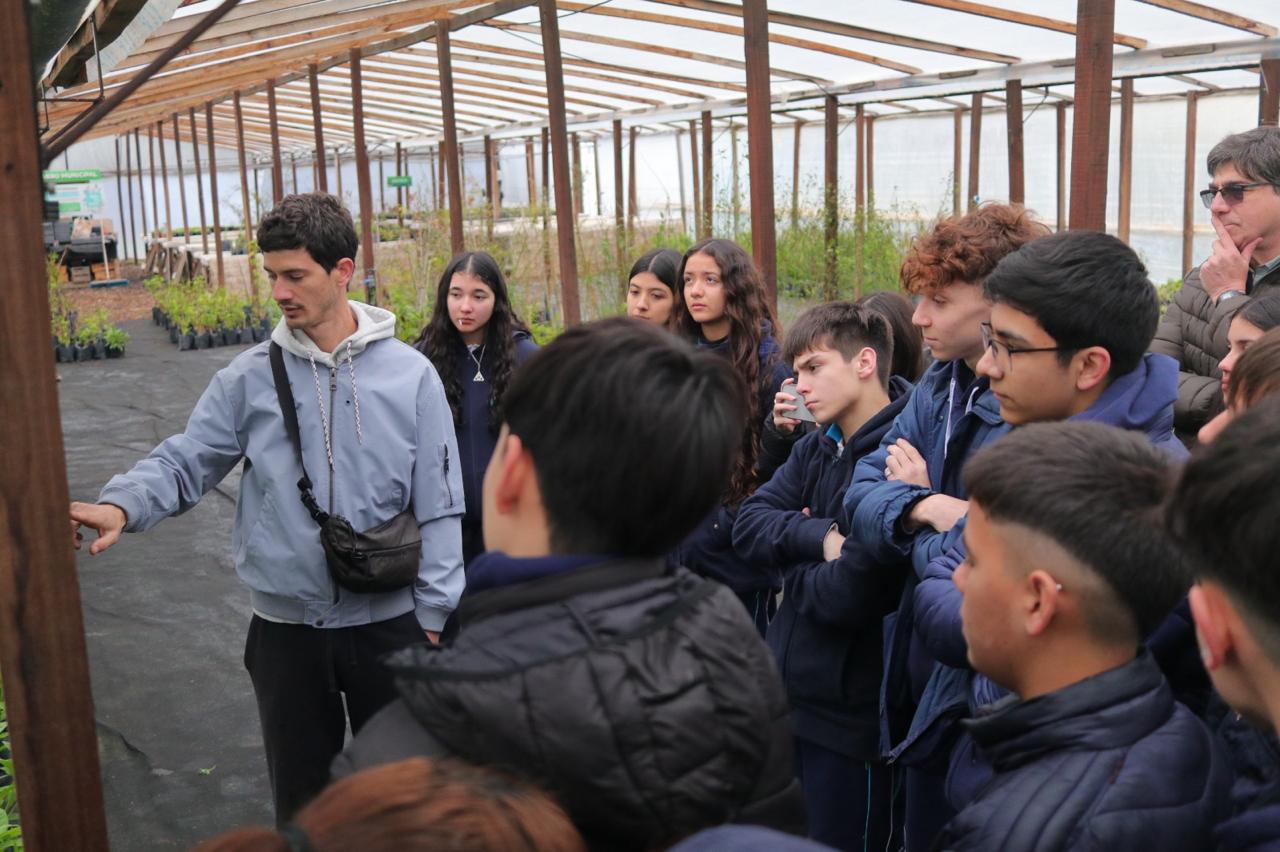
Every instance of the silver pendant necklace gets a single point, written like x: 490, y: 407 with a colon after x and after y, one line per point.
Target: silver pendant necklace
x: 479, y: 376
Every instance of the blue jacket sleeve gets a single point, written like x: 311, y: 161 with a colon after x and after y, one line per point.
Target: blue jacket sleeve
x: 438, y: 507
x: 770, y: 528
x: 842, y: 591
x: 937, y: 610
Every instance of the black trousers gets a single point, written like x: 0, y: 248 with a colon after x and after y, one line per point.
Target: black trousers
x: 300, y: 676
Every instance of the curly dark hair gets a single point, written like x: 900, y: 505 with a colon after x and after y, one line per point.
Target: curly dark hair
x: 750, y: 319
x: 966, y: 248
x: 442, y: 342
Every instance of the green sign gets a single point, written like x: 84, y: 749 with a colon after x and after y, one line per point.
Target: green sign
x: 73, y: 176
x: 399, y: 180
x: 65, y: 207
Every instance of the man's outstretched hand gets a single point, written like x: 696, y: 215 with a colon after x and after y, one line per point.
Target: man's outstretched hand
x: 105, y: 519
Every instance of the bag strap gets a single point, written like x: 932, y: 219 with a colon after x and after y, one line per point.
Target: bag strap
x: 284, y: 394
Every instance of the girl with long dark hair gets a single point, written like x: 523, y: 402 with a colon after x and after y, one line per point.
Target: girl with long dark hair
x: 476, y: 341
x: 651, y: 286
x: 721, y: 305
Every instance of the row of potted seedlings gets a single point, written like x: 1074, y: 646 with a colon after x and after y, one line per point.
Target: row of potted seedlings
x: 92, y: 339
x: 198, y: 317
x: 252, y: 331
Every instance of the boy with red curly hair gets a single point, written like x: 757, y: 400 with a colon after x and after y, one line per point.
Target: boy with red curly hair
x: 907, y: 496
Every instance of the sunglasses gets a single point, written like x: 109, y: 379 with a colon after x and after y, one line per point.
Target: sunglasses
x: 1232, y: 193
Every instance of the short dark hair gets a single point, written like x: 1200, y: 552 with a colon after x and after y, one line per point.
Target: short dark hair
x: 1257, y: 373
x: 633, y: 434
x: 1084, y: 288
x: 315, y: 221
x: 1255, y: 154
x: 1097, y: 491
x: 845, y: 327
x: 663, y: 263
x: 1263, y: 312
x: 1222, y: 515
x: 908, y: 343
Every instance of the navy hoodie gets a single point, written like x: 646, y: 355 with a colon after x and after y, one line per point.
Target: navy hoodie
x: 826, y: 634
x: 476, y: 437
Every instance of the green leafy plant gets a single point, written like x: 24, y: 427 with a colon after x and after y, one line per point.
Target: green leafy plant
x: 115, y: 337
x: 10, y: 829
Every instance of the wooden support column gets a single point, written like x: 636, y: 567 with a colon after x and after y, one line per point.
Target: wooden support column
x: 831, y: 199
x: 619, y: 214
x: 195, y: 153
x: 125, y: 224
x: 695, y: 177
x: 975, y: 149
x: 956, y: 161
x: 684, y: 211
x: 755, y: 37
x: 1189, y: 199
x: 142, y: 195
x: 871, y: 163
x: 322, y: 183
x: 495, y: 188
x: 337, y: 172
x: 1062, y: 165
x: 531, y: 174
x: 1126, y: 157
x: 795, y: 176
x: 400, y: 170
x: 1269, y: 93
x: 293, y: 165
x: 488, y: 185
x: 246, y: 224
x: 213, y: 193
x: 1013, y: 120
x: 576, y: 149
x: 444, y: 64
x: 42, y: 642
x: 128, y: 179
x: 164, y: 179
x: 151, y: 164
x: 1090, y: 137
x: 277, y: 165
x: 735, y: 187
x: 362, y: 175
x: 182, y: 188
x: 442, y: 187
x: 708, y: 203
x: 632, y: 211
x: 859, y: 197
x: 546, y: 221
x: 595, y: 154
x: 560, y: 162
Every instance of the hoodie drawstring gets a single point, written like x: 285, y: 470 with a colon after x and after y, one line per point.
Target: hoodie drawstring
x: 355, y: 393
x: 324, y: 419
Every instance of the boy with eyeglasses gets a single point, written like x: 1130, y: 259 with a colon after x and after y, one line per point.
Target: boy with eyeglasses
x: 1243, y: 198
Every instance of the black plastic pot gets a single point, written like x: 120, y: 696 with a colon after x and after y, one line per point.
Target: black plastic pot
x: 259, y: 334
x: 156, y: 315
x: 115, y: 352
x: 98, y: 349
x: 79, y: 353
x: 230, y: 337
x: 187, y: 341
x: 173, y: 334
x: 204, y: 340
x: 64, y: 354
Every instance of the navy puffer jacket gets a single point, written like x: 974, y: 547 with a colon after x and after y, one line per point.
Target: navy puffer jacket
x: 1111, y: 762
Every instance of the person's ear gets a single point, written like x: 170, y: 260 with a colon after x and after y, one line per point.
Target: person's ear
x: 865, y: 363
x: 514, y: 466
x: 344, y: 269
x: 1210, y: 611
x: 1041, y: 601
x: 1093, y: 365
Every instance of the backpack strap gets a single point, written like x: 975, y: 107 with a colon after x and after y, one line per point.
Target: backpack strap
x: 284, y: 394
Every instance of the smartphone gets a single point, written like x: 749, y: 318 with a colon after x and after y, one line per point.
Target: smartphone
x: 802, y: 409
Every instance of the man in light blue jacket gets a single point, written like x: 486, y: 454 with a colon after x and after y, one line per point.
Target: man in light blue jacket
x: 377, y: 438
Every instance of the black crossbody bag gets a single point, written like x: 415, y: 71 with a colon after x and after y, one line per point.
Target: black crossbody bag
x: 382, y: 559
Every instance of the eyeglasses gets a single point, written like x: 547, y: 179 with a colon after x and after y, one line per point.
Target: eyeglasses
x: 1003, y: 354
x: 1232, y: 193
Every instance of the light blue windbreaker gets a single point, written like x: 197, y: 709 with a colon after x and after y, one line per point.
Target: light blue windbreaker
x: 392, y: 442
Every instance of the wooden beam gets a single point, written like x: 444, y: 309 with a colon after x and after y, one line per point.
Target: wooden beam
x: 457, y: 241
x: 1090, y: 143
x: 644, y: 82
x: 277, y: 167
x: 619, y: 214
x: 997, y: 14
x: 1217, y: 16
x: 133, y: 222
x: 975, y: 149
x: 293, y: 166
x: 595, y: 153
x: 633, y: 211
x: 142, y: 194
x: 195, y: 153
x: 125, y: 224
x: 362, y: 179
x: 531, y: 174
x: 489, y: 193
x: 400, y: 189
x: 317, y: 119
x: 246, y: 223
x: 546, y: 207
x: 182, y: 188
x: 1269, y: 93
x: 1013, y: 120
x: 859, y: 197
x: 795, y: 176
x: 151, y: 163
x: 164, y: 179
x: 831, y: 196
x: 707, y: 200
x: 42, y: 641
x: 1126, y: 157
x: 755, y: 32
x: 213, y: 193
x: 735, y: 188
x: 575, y: 149
x: 684, y: 211
x: 560, y: 163
x: 695, y: 178
x: 871, y: 163
x: 958, y: 137
x: 1189, y: 199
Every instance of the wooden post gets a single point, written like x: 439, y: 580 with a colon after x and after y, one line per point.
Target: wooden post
x: 142, y: 195
x: 442, y: 188
x: 182, y: 189
x: 695, y: 177
x: 213, y: 192
x: 400, y: 170
x: 1013, y: 120
x: 632, y: 211
x: 257, y: 192
x: 531, y: 175
x: 560, y: 161
x: 546, y: 223
x: 1126, y: 157
x: 337, y: 172
x: 195, y: 153
x: 125, y: 224
x: 859, y: 196
x: 488, y: 185
x: 975, y: 148
x: 708, y: 203
x: 322, y: 184
x: 164, y: 179
x: 831, y: 200
x: 246, y: 223
x: 595, y: 154
x: 576, y: 150
x: 1189, y: 199
x: 42, y: 644
x: 293, y: 165
x: 755, y: 37
x: 684, y: 212
x: 277, y: 165
x: 735, y: 187
x: 870, y: 121
x: 956, y: 164
x: 795, y: 177
x: 1090, y: 137
x: 444, y: 64
x: 1269, y: 93
x: 619, y: 215
x: 128, y: 180
x: 495, y: 189
x: 151, y: 164
x: 362, y: 175
x: 1062, y: 165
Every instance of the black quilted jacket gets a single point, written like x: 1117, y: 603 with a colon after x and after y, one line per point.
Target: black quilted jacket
x: 640, y: 697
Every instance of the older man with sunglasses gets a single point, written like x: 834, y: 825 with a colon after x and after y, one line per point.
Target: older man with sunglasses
x: 1243, y: 198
